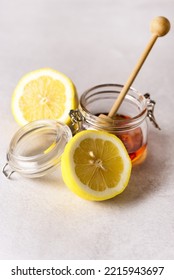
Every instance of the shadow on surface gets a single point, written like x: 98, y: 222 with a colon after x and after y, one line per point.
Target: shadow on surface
x: 149, y: 176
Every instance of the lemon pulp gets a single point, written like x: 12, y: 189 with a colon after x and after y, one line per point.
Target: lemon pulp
x: 41, y: 99
x: 44, y: 94
x: 95, y: 165
x: 98, y: 164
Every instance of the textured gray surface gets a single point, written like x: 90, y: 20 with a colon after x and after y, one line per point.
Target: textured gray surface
x: 92, y: 42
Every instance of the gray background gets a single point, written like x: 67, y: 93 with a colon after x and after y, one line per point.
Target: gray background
x: 92, y: 42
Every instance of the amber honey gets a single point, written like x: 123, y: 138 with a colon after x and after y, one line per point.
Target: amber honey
x: 133, y: 140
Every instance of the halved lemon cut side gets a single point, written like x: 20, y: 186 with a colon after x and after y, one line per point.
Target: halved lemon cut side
x: 44, y: 94
x: 95, y: 165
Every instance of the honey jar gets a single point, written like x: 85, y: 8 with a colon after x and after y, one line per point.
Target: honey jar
x: 130, y: 123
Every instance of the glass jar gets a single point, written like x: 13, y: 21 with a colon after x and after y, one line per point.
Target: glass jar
x: 130, y: 122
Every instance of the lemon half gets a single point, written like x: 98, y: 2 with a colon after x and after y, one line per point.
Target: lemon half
x: 95, y: 165
x: 44, y: 94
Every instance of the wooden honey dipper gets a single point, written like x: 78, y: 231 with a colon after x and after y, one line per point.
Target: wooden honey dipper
x: 159, y: 27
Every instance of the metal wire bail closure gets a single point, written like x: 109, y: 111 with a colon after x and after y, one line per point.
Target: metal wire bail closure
x: 150, y: 110
x: 7, y: 171
x: 76, y: 119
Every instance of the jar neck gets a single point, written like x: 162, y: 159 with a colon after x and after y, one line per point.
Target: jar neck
x: 99, y: 99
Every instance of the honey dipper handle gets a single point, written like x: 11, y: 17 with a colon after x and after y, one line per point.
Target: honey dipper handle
x: 159, y: 27
x: 132, y: 77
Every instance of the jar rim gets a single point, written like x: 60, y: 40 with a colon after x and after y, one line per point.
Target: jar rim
x: 117, y: 123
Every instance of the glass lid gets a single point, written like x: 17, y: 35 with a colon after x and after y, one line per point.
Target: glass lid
x: 36, y: 148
